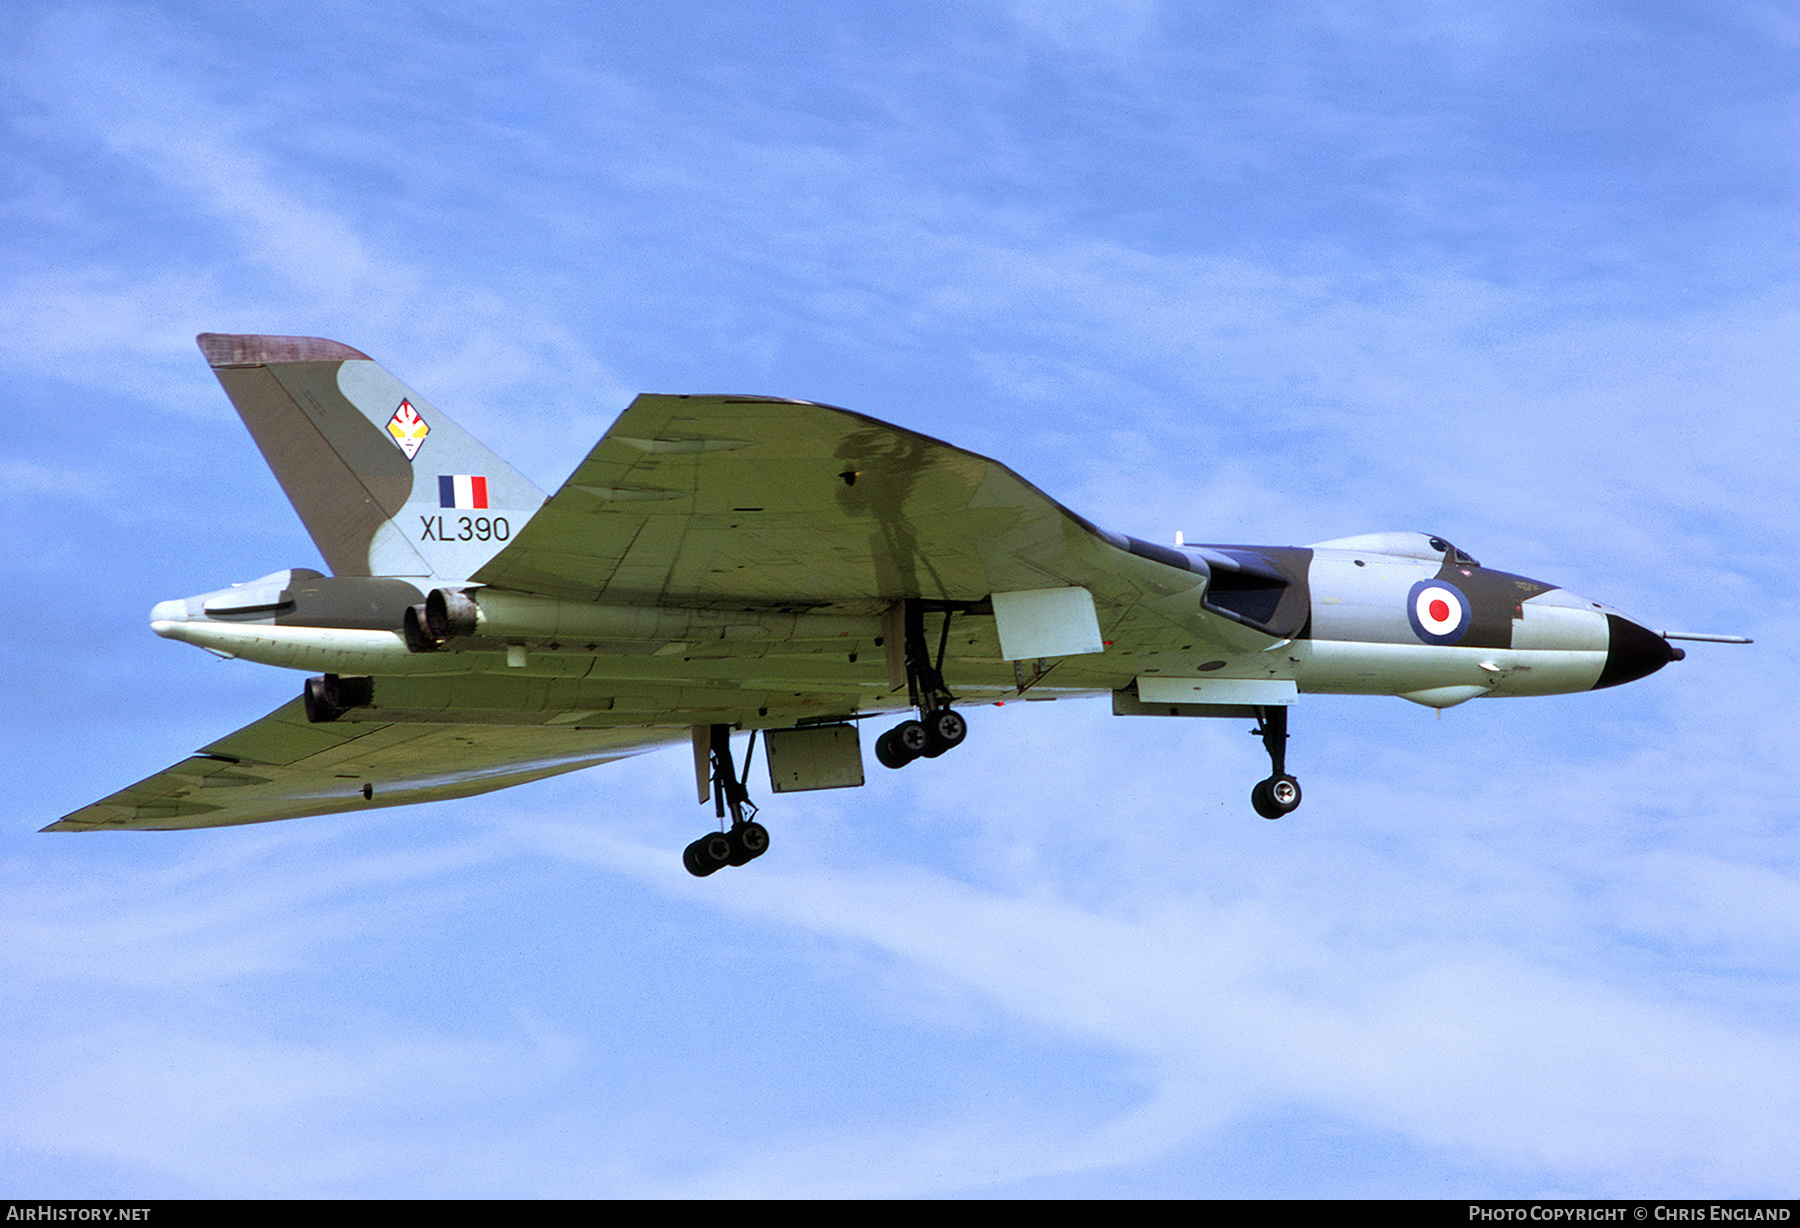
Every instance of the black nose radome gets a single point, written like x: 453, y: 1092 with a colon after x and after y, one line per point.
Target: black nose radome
x: 1632, y: 652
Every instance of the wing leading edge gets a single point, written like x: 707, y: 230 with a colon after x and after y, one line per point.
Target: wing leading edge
x: 717, y: 500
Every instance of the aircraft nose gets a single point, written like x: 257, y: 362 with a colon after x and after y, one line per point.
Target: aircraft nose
x: 1633, y: 652
x: 167, y: 612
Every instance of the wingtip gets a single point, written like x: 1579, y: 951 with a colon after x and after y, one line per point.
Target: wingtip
x: 256, y: 349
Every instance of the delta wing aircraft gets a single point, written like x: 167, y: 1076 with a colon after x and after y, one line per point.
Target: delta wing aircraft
x: 734, y: 563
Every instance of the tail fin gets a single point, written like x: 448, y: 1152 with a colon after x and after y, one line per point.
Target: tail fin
x: 385, y: 483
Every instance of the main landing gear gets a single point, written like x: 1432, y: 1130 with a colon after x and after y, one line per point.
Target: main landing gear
x: 1280, y: 793
x: 747, y: 839
x: 937, y: 728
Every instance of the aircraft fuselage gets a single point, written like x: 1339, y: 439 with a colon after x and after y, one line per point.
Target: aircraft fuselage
x: 1388, y: 614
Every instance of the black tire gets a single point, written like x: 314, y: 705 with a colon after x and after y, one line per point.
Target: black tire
x: 888, y: 754
x: 748, y: 842
x: 910, y: 736
x: 1263, y: 803
x: 707, y: 855
x: 944, y: 730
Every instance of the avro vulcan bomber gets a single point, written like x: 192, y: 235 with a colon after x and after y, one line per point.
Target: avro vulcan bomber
x: 726, y: 564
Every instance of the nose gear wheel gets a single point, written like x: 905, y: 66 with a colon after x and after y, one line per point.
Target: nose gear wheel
x: 1276, y: 796
x: 1280, y: 793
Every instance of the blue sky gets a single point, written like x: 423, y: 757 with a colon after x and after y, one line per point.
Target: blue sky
x: 1524, y: 277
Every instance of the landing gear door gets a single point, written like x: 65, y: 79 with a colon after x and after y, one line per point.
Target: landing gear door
x: 814, y: 757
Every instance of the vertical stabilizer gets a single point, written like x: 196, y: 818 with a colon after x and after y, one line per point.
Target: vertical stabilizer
x: 385, y: 483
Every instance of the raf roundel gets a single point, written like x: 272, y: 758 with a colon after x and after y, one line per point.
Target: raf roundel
x: 1438, y: 611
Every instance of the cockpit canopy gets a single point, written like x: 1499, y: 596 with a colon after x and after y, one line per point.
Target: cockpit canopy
x: 1405, y: 544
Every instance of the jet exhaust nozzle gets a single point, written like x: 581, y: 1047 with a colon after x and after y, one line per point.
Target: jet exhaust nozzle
x: 331, y: 696
x: 450, y: 612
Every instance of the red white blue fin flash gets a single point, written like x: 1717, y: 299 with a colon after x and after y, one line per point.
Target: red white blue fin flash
x: 462, y: 490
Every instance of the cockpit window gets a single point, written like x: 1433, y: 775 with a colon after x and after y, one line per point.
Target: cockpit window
x: 1452, y: 553
x: 1406, y: 545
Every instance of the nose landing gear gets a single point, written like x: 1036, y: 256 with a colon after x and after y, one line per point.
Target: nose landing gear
x: 747, y: 839
x: 1280, y: 793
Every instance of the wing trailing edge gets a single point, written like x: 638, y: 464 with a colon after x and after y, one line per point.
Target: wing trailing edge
x: 284, y: 767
